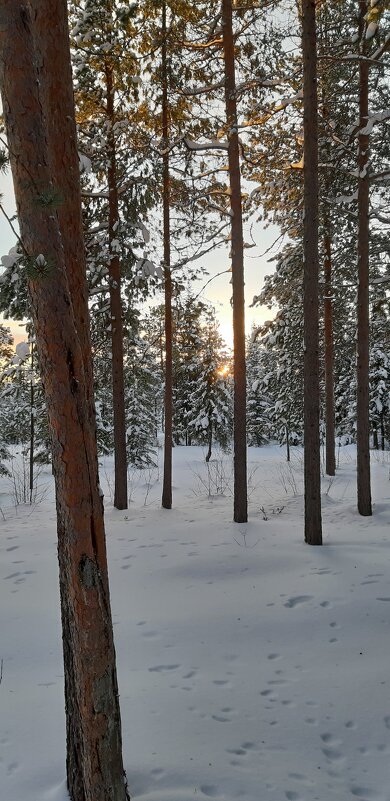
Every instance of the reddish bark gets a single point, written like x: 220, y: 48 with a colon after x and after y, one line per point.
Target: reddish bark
x: 312, y: 461
x: 57, y: 96
x: 94, y: 758
x: 237, y: 250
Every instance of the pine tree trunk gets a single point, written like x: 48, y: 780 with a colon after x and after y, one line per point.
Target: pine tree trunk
x: 382, y: 427
x: 330, y: 456
x: 312, y: 461
x: 168, y: 402
x: 375, y: 436
x: 237, y: 249
x: 57, y: 96
x: 363, y: 326
x: 118, y: 384
x: 94, y: 759
x: 210, y: 441
x: 32, y: 425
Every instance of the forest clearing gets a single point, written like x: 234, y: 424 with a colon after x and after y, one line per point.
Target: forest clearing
x: 249, y: 666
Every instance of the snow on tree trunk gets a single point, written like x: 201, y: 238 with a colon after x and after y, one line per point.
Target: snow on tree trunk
x: 312, y: 479
x: 94, y: 757
x: 237, y: 250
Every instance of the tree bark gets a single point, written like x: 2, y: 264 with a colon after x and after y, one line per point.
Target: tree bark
x: 32, y: 425
x: 237, y: 250
x: 209, y: 441
x: 114, y: 269
x: 363, y: 325
x: 57, y: 96
x: 330, y: 456
x: 168, y: 396
x: 94, y: 758
x: 312, y: 461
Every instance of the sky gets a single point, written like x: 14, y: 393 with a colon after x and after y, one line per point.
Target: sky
x: 217, y: 291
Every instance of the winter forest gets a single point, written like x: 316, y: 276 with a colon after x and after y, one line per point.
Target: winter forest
x: 218, y: 503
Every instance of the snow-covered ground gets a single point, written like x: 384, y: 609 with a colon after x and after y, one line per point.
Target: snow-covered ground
x: 251, y: 666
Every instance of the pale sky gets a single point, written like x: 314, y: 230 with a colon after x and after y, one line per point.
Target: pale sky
x: 218, y: 291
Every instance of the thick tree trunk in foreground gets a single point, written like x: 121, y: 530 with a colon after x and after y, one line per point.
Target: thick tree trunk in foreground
x: 94, y: 758
x: 330, y: 456
x: 237, y: 246
x: 117, y: 370
x: 57, y: 96
x: 363, y: 325
x: 312, y: 461
x: 168, y: 396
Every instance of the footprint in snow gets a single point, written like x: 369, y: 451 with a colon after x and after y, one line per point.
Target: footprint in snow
x: 333, y: 754
x: 297, y: 600
x: 209, y: 790
x: 162, y: 668
x: 329, y: 739
x: 365, y: 793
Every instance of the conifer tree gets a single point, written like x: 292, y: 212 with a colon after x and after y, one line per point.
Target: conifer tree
x: 237, y: 246
x: 94, y: 759
x: 313, y: 525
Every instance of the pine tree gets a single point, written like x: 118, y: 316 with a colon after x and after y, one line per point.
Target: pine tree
x: 94, y: 759
x: 210, y: 416
x: 258, y: 398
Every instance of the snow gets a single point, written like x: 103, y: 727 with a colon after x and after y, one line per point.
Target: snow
x: 372, y: 28
x: 22, y: 350
x: 250, y: 665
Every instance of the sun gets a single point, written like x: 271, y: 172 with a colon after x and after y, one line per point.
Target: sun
x: 224, y: 370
